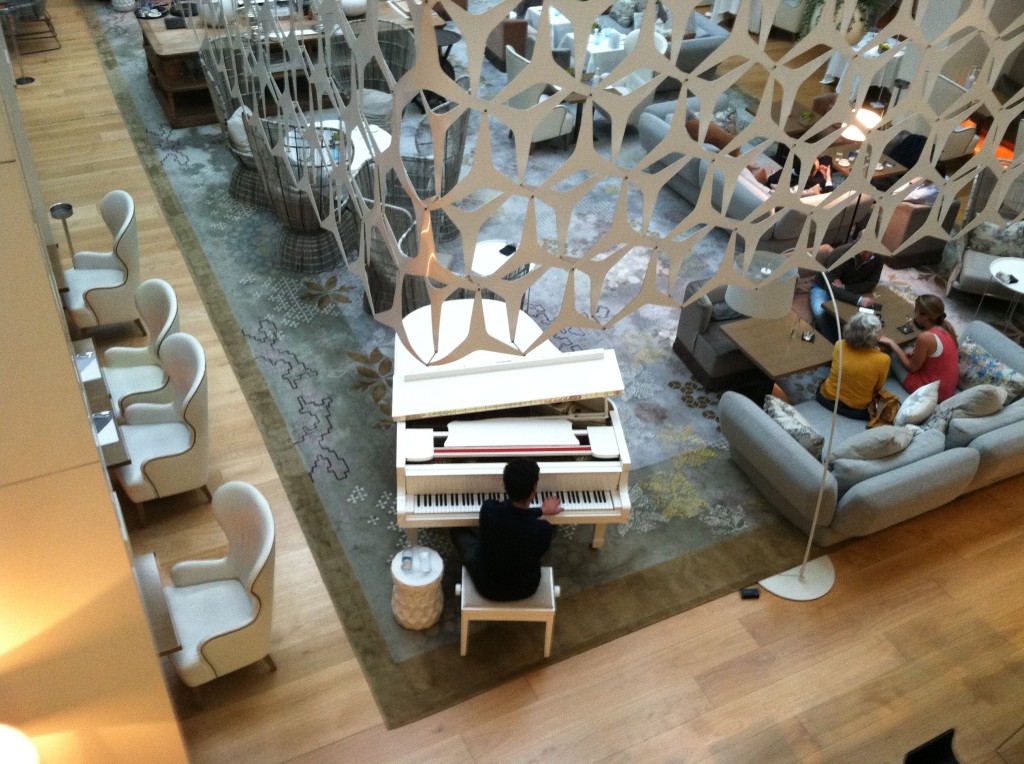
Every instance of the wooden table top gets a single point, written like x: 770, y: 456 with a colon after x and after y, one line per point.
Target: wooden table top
x: 896, y: 312
x: 775, y: 345
x: 890, y: 166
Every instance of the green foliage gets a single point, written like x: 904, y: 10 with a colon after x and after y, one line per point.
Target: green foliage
x: 871, y: 10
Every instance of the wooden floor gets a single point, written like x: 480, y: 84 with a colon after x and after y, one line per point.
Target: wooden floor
x: 923, y: 631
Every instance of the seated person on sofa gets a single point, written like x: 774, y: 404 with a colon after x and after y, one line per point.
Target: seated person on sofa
x: 850, y: 281
x: 865, y: 368
x: 818, y: 182
x: 935, y: 355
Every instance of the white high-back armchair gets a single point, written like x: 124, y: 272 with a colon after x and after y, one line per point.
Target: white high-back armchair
x: 101, y: 285
x: 168, y: 443
x: 135, y: 374
x: 558, y: 122
x: 222, y: 609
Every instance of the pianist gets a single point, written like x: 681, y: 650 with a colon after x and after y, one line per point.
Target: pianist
x: 503, y: 559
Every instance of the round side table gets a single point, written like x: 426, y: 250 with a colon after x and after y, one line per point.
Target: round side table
x: 416, y: 599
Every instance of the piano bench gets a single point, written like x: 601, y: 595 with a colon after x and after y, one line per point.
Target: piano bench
x: 539, y: 608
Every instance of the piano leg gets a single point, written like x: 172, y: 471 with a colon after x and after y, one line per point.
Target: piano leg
x: 599, y: 529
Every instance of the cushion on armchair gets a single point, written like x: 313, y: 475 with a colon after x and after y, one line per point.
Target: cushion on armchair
x: 794, y: 423
x: 979, y: 367
x: 998, y: 240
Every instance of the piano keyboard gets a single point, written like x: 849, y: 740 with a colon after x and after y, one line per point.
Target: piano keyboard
x: 462, y: 503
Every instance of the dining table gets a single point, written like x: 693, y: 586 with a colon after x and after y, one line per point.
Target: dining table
x: 604, y: 50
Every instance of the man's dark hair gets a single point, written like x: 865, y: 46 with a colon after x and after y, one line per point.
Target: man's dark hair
x: 520, y: 478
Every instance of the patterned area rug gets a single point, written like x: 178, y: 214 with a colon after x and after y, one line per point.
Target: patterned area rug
x: 316, y: 371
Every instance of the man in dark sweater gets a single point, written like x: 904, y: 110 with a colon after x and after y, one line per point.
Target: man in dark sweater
x: 850, y: 282
x: 503, y: 558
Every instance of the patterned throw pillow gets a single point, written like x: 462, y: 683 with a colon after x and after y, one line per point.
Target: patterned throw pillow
x: 793, y: 422
x: 979, y: 367
x: 998, y: 240
x: 919, y: 406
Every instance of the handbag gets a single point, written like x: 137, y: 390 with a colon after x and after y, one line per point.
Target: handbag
x: 883, y: 409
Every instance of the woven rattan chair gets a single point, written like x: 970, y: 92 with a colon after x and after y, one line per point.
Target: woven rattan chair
x: 397, y: 55
x: 379, y: 256
x: 421, y: 168
x: 245, y: 184
x: 306, y: 199
x: 31, y: 23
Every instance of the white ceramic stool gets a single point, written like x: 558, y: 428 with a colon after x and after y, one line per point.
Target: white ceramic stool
x: 416, y: 599
x: 540, y: 607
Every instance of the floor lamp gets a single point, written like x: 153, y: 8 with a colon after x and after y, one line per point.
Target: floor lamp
x: 812, y: 579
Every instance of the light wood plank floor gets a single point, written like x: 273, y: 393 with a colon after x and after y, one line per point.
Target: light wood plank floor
x: 924, y: 629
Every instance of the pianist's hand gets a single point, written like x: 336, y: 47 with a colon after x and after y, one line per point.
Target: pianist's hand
x: 551, y: 506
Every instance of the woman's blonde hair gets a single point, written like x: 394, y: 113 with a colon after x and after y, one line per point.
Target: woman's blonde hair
x: 934, y: 309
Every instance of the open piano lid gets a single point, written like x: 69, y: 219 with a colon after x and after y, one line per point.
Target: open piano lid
x: 488, y: 380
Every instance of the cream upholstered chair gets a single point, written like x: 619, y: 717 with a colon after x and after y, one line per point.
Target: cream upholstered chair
x: 559, y: 121
x: 960, y: 143
x: 635, y: 80
x: 135, y: 374
x: 101, y: 285
x: 168, y: 443
x: 222, y: 608
x: 540, y: 607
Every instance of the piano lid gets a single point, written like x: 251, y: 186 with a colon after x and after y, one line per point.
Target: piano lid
x: 488, y: 380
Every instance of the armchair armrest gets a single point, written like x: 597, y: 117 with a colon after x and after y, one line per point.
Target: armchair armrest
x: 192, y: 572
x: 95, y: 261
x: 151, y: 413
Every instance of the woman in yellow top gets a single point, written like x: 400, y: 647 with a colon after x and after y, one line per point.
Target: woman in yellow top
x: 865, y: 368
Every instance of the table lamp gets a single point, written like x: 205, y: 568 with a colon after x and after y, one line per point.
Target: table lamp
x: 769, y: 290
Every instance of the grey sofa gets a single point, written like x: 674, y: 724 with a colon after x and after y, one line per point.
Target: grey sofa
x: 865, y: 496
x: 696, y: 50
x: 712, y: 358
x: 899, y: 236
x: 746, y: 194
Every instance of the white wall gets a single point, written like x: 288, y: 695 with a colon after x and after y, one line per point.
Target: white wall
x: 78, y: 670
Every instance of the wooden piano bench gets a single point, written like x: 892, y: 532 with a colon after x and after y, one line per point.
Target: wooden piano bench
x: 540, y: 607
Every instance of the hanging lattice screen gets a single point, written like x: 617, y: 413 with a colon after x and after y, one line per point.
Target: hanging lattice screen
x: 409, y: 219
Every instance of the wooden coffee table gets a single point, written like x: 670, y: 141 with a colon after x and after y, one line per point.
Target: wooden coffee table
x: 896, y: 312
x: 776, y: 346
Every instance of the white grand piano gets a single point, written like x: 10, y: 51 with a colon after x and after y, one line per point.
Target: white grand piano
x: 460, y: 422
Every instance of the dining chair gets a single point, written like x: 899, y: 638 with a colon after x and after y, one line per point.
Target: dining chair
x: 135, y: 374
x: 222, y: 609
x: 169, y: 443
x: 101, y: 285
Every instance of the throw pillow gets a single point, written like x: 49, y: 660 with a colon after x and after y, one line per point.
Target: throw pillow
x: 793, y: 422
x: 236, y: 130
x: 919, y: 406
x: 998, y: 240
x: 977, y: 401
x: 979, y: 367
x: 876, y: 443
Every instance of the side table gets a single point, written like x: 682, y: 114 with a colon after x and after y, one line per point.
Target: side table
x: 1007, y: 268
x: 416, y: 599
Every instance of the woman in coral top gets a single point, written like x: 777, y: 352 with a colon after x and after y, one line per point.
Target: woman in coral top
x: 935, y: 354
x: 865, y: 368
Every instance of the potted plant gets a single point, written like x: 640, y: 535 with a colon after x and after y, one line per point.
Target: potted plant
x: 868, y: 12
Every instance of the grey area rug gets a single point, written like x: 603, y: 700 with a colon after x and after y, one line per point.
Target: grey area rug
x: 317, y: 378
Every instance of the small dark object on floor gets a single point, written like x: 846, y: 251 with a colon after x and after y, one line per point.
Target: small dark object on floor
x: 938, y: 750
x: 750, y: 593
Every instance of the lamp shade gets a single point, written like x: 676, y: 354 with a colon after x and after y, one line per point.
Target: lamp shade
x: 16, y: 747
x: 768, y: 291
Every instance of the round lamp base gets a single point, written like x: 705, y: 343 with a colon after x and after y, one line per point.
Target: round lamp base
x: 819, y: 576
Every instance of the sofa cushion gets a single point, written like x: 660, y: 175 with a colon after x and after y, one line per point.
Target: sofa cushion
x: 876, y: 443
x: 919, y: 405
x: 979, y: 367
x: 981, y: 400
x: 793, y: 422
x: 849, y: 472
x: 998, y: 240
x: 236, y: 130
x: 963, y: 430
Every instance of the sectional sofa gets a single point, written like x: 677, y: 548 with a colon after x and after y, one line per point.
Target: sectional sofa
x: 863, y: 496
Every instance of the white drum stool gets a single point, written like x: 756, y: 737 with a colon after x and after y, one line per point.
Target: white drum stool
x: 540, y: 607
